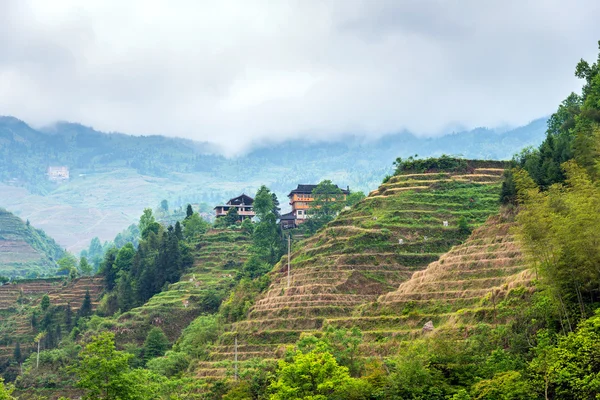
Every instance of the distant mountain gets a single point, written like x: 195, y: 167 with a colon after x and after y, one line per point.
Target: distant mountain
x: 24, y: 250
x: 114, y: 176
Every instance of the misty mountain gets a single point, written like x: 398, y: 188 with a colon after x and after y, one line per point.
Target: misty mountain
x: 113, y: 176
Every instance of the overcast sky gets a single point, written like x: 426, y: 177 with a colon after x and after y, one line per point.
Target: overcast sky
x: 238, y: 72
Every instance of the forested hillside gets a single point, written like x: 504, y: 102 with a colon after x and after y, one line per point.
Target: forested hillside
x: 25, y: 250
x: 113, y: 177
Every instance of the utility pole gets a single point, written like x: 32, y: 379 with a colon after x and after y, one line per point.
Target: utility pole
x: 289, y: 257
x: 236, y: 359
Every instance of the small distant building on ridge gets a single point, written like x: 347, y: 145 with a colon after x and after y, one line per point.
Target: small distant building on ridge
x: 243, y: 204
x: 58, y: 173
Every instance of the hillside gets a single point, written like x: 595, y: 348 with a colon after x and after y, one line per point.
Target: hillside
x: 113, y: 177
x: 218, y: 255
x: 479, y: 281
x: 18, y: 299
x: 25, y: 250
x: 365, y: 252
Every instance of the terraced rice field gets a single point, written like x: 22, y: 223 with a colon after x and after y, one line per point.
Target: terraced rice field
x: 460, y: 290
x: 217, y: 257
x: 15, y: 318
x: 364, y: 253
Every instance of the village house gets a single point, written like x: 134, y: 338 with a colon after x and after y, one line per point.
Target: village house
x: 243, y: 204
x: 58, y: 173
x: 300, y: 199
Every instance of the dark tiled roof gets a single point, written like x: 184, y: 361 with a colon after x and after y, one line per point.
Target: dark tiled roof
x: 247, y: 200
x: 287, y: 217
x: 307, y: 189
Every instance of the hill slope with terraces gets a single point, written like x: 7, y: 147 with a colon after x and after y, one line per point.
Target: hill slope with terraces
x: 479, y: 281
x: 218, y: 256
x: 25, y: 250
x: 18, y: 299
x: 365, y: 252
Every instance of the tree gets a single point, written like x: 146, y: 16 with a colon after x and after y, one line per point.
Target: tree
x: 327, y: 200
x: 146, y: 220
x: 189, y: 211
x: 68, y: 316
x: 232, y: 216
x: 86, y: 306
x: 103, y: 371
x: 85, y: 267
x: 6, y: 391
x: 354, y: 198
x: 156, y: 344
x: 17, y: 354
x: 4, y: 279
x: 164, y: 205
x: 125, y: 294
x: 178, y: 231
x: 45, y: 303
x: 67, y: 263
x: 263, y: 202
x: 194, y: 226
x: 317, y: 376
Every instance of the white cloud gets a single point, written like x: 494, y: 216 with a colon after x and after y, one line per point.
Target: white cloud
x: 237, y: 72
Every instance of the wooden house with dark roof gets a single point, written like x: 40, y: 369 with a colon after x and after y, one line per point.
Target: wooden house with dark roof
x: 243, y: 204
x: 300, y: 199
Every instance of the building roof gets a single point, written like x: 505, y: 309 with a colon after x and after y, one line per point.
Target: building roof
x: 237, y: 201
x: 242, y: 199
x: 287, y: 217
x: 307, y: 189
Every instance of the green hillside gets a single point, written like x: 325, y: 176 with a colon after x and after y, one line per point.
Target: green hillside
x: 365, y: 252
x: 24, y: 250
x: 218, y: 256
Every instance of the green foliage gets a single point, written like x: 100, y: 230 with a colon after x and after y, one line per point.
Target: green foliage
x: 197, y: 335
x: 172, y: 364
x: 558, y: 228
x: 354, y: 198
x: 156, y: 343
x: 442, y: 163
x: 571, y: 368
x: 85, y: 267
x: 573, y: 133
x: 463, y: 226
x: 6, y: 391
x: 232, y: 217
x: 146, y: 221
x: 194, y: 226
x: 104, y: 373
x: 509, y: 385
x: 315, y: 376
x: 327, y: 200
x: 263, y: 202
x: 45, y: 303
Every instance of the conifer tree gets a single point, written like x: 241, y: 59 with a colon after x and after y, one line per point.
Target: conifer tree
x: 17, y: 353
x: 156, y: 343
x: 68, y: 316
x: 86, y: 307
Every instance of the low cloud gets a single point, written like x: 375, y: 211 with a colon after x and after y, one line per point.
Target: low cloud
x: 239, y: 72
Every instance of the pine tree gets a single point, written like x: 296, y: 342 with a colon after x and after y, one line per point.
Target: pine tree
x: 189, y: 212
x: 68, y: 316
x: 86, y: 307
x: 17, y: 353
x: 45, y: 302
x: 178, y: 231
x: 156, y: 344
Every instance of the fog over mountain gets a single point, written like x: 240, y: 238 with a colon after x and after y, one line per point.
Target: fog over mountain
x: 238, y: 73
